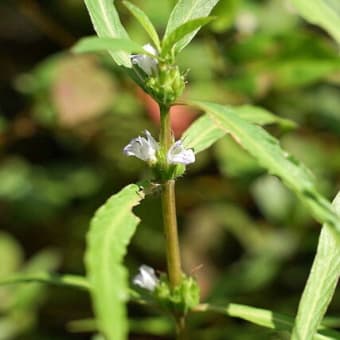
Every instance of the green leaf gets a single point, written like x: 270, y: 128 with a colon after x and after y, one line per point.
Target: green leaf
x: 203, y: 132
x: 325, y: 13
x: 184, y: 11
x: 181, y: 32
x: 321, y: 282
x: 95, y: 44
x: 58, y: 280
x: 260, y: 116
x: 144, y: 20
x: 265, y: 318
x: 107, y: 24
x: 110, y: 232
x: 266, y: 149
x: 151, y: 326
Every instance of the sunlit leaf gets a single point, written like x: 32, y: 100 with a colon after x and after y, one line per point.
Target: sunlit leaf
x: 325, y: 13
x: 266, y: 149
x: 321, y: 283
x: 203, y: 132
x: 266, y: 318
x: 95, y: 44
x: 144, y: 20
x: 181, y: 32
x: 110, y: 232
x: 58, y: 280
x: 184, y: 11
x: 107, y: 24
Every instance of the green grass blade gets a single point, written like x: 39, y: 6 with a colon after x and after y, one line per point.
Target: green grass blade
x: 144, y: 20
x: 265, y: 318
x: 107, y: 24
x: 110, y: 232
x: 325, y: 13
x: 95, y: 44
x: 321, y: 283
x: 267, y: 151
x: 181, y: 32
x: 186, y: 10
x: 203, y: 132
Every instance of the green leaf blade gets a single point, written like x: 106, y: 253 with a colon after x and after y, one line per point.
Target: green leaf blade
x: 203, y: 132
x: 324, y: 13
x: 184, y: 11
x: 95, y: 44
x: 107, y: 24
x: 267, y: 151
x: 175, y: 37
x: 321, y: 283
x: 267, y: 318
x: 144, y: 20
x: 66, y: 280
x: 110, y: 232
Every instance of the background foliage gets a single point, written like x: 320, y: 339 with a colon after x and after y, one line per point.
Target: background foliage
x: 64, y: 120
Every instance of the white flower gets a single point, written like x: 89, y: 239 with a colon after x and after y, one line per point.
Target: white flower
x: 177, y: 154
x: 143, y: 148
x: 145, y: 62
x: 146, y: 278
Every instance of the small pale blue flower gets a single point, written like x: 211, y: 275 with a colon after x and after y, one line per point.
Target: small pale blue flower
x: 143, y: 148
x: 146, y: 62
x: 146, y: 278
x: 177, y: 154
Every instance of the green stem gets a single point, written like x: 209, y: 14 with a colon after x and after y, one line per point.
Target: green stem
x: 171, y: 234
x: 169, y: 207
x: 180, y: 328
x: 170, y: 218
x: 165, y: 138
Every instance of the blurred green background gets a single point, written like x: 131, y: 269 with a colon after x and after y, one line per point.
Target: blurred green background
x: 64, y: 120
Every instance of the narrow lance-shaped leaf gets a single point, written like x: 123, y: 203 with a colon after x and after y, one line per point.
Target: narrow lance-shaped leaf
x: 321, y: 283
x: 110, y: 232
x: 144, y: 20
x: 267, y: 151
x: 180, y: 32
x: 107, y: 24
x: 325, y: 13
x: 48, y: 278
x: 265, y: 318
x: 95, y: 44
x: 184, y: 11
x: 203, y: 132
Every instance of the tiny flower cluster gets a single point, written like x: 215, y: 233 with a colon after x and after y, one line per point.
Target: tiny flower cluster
x: 161, y: 79
x: 146, y: 148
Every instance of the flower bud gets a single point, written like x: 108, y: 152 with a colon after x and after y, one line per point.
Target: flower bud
x: 168, y: 85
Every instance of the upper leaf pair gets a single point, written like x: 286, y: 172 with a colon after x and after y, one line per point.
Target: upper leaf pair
x: 184, y: 22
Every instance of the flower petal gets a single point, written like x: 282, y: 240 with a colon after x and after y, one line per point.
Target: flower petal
x: 146, y: 278
x: 177, y: 154
x: 145, y: 62
x: 143, y: 148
